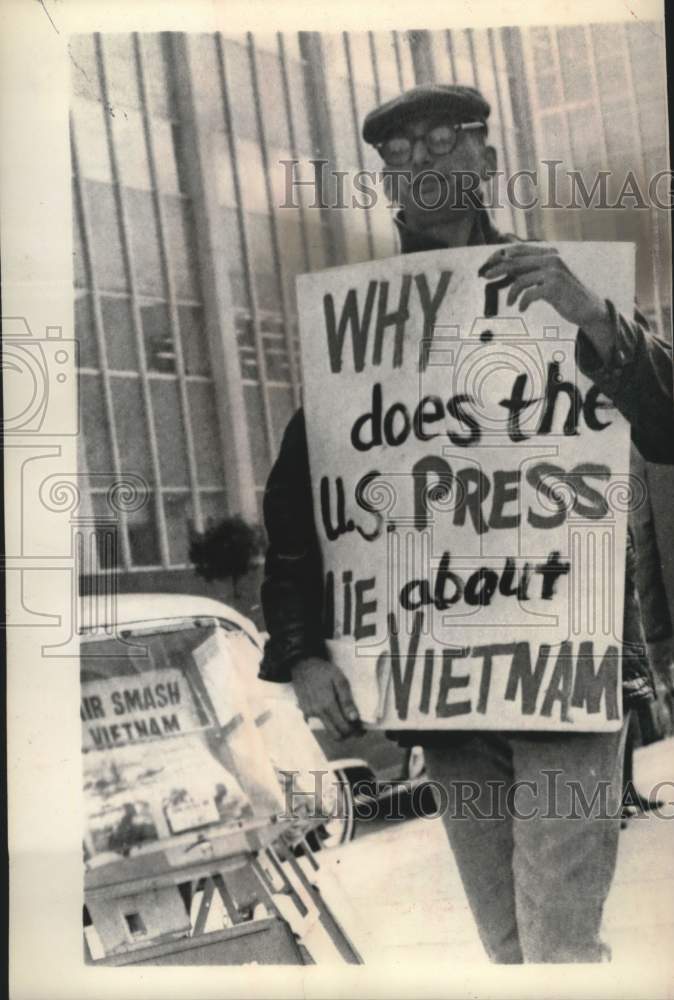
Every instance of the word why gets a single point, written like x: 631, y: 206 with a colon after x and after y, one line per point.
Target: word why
x: 359, y: 323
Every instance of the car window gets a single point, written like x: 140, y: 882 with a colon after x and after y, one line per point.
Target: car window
x: 168, y: 737
x: 142, y: 686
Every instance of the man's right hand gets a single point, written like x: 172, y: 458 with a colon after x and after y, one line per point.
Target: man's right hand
x: 324, y: 693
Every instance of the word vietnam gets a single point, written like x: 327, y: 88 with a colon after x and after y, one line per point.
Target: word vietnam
x: 541, y: 681
x: 129, y: 714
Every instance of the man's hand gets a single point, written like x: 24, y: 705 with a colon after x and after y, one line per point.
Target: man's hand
x: 324, y: 693
x: 538, y: 272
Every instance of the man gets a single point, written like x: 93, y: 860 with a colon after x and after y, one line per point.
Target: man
x: 536, y: 887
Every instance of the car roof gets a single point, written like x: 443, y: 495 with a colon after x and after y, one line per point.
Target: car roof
x: 132, y: 609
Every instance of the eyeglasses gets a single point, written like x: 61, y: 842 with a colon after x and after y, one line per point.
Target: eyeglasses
x: 439, y: 140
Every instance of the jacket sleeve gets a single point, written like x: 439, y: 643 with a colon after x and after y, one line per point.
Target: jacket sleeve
x: 293, y: 580
x: 637, y: 378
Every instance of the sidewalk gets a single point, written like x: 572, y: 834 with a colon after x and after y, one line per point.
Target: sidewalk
x: 405, y: 887
x: 639, y: 915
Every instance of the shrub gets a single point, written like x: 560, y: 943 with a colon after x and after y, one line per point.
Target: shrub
x: 225, y: 549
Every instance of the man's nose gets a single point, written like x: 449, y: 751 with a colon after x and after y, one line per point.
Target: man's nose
x: 420, y: 154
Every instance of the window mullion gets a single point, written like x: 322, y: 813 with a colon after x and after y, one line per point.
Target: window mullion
x: 285, y: 309
x: 90, y: 266
x: 135, y: 309
x: 167, y: 271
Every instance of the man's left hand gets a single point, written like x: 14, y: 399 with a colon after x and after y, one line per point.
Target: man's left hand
x: 538, y: 272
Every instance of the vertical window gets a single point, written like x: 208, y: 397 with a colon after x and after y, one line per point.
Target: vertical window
x: 264, y: 122
x: 595, y: 107
x: 148, y: 399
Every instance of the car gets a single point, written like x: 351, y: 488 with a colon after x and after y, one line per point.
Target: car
x: 369, y: 766
x: 360, y: 768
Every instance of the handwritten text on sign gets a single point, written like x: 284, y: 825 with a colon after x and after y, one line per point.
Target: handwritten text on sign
x: 464, y: 476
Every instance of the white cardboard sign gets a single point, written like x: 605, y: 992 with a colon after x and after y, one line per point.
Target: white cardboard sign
x: 470, y: 493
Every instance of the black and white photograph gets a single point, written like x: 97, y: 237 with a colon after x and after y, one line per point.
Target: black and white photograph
x: 339, y: 456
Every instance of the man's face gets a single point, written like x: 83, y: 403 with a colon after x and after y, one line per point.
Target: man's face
x: 433, y: 189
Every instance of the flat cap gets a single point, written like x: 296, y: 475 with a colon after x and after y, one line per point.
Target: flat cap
x: 460, y: 103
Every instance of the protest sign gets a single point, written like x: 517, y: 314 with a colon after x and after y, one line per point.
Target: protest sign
x: 471, y: 490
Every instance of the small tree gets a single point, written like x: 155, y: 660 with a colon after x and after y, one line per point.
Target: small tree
x: 225, y: 549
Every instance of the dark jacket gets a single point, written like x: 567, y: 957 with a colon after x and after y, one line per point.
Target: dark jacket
x: 638, y: 379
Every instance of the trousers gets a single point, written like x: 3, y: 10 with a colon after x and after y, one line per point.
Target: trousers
x: 533, y: 824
